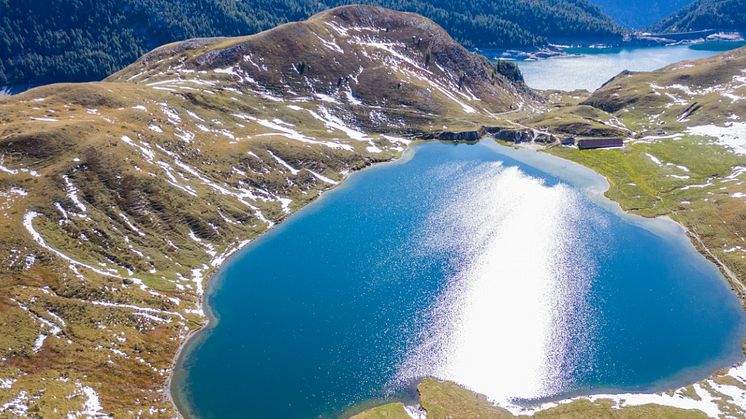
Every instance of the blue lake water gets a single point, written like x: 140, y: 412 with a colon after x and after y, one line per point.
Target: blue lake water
x: 592, y: 67
x: 500, y: 269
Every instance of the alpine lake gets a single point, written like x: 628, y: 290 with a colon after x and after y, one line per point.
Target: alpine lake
x: 505, y: 270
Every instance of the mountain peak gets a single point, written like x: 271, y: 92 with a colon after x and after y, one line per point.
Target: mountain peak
x: 359, y: 54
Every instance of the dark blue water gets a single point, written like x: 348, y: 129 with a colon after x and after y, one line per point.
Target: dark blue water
x: 416, y: 267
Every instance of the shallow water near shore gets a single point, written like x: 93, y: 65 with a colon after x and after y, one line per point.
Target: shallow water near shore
x: 504, y: 270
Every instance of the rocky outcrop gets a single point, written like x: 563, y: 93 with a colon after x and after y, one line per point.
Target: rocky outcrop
x: 469, y: 135
x: 513, y: 135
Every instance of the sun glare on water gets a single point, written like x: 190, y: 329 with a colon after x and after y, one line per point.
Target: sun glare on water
x: 512, y: 322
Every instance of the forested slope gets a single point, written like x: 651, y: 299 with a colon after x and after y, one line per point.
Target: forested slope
x: 706, y: 14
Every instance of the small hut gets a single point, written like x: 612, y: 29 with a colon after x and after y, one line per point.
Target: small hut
x: 587, y: 144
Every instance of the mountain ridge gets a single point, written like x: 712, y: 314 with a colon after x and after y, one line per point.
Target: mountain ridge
x: 327, y: 55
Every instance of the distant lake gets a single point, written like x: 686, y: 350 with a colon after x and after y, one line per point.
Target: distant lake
x: 592, y: 67
x: 503, y: 270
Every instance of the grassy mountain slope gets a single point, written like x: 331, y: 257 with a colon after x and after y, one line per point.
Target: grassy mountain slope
x: 119, y: 198
x: 54, y: 40
x: 687, y: 154
x: 706, y: 14
x: 639, y: 14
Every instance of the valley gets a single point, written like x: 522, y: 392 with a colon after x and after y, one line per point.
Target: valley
x: 121, y: 198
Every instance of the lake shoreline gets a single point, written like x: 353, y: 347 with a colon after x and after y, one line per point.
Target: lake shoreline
x: 211, y: 280
x: 691, y: 236
x: 597, y: 188
x: 662, y: 224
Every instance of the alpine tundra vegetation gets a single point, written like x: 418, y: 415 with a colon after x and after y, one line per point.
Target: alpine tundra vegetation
x: 120, y: 198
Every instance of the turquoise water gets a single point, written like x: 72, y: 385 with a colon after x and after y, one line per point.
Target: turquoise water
x: 593, y: 66
x: 503, y: 270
